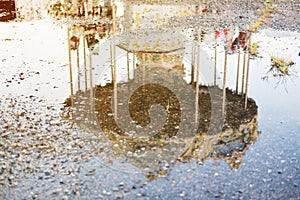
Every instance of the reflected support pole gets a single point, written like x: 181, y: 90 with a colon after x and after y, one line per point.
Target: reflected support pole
x: 78, y: 68
x: 70, y: 65
x: 114, y: 64
x: 91, y: 87
x: 91, y: 76
x: 224, y: 84
x: 128, y: 68
x: 197, y: 84
x: 111, y: 61
x: 84, y: 61
x: 133, y: 64
x: 193, y: 65
x: 247, y: 75
x: 215, y: 66
x: 243, y: 74
x: 247, y: 80
x: 115, y: 80
x: 143, y: 66
x: 133, y: 61
x: 238, y: 71
x: 114, y: 61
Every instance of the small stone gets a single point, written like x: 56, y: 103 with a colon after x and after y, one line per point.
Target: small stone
x: 47, y: 173
x: 70, y: 170
x: 77, y: 194
x: 22, y: 76
x: 65, y: 198
x: 182, y: 194
x: 57, y: 191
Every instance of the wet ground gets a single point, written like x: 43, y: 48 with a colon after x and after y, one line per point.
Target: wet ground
x: 46, y: 154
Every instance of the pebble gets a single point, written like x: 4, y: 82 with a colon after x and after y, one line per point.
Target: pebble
x: 182, y: 194
x: 47, y: 173
x: 121, y: 184
x: 65, y: 198
x: 58, y: 190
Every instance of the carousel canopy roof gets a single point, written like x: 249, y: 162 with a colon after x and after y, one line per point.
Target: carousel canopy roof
x: 151, y: 41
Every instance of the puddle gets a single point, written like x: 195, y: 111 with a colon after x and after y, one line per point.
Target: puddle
x: 155, y: 101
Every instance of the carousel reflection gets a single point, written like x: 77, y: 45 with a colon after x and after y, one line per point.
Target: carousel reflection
x: 155, y: 116
x: 150, y: 139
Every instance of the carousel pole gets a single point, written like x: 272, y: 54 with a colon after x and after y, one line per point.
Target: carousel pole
x: 114, y: 65
x: 84, y: 61
x: 78, y: 68
x: 197, y: 80
x: 215, y: 65
x: 238, y: 71
x: 91, y: 86
x: 247, y: 75
x: 133, y: 64
x: 91, y: 75
x: 143, y: 66
x: 70, y: 65
x: 114, y: 59
x: 246, y: 84
x: 243, y: 74
x: 193, y: 65
x: 111, y: 61
x: 128, y: 68
x: 224, y: 84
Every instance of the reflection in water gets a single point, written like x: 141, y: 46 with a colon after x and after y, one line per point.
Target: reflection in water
x: 281, y: 69
x: 160, y: 114
x: 153, y: 149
